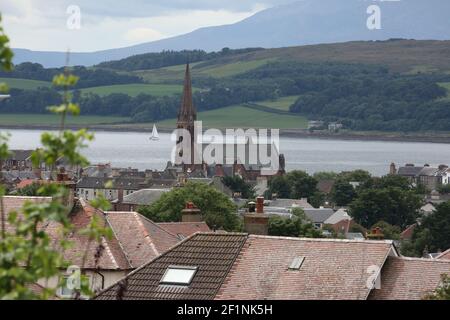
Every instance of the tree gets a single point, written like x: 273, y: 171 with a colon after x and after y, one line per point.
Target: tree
x: 443, y: 291
x: 27, y: 254
x: 389, y: 231
x: 217, y: 209
x: 302, y: 184
x: 237, y: 184
x: 433, y: 234
x: 280, y: 185
x: 392, y: 205
x: 298, y: 225
x: 342, y: 193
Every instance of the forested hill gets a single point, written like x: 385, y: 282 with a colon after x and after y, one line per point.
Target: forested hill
x: 396, y: 85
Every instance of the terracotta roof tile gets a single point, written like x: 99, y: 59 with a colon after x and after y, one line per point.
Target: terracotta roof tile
x: 113, y: 256
x: 444, y: 255
x: 141, y: 238
x: 332, y: 269
x: 409, y: 278
x: 239, y: 266
x: 184, y: 229
x: 213, y: 255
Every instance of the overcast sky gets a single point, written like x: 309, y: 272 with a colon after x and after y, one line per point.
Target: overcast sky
x: 105, y: 24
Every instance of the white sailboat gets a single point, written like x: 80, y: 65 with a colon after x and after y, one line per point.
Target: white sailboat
x: 155, y: 135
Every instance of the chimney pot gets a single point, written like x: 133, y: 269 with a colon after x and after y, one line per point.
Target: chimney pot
x: 191, y: 213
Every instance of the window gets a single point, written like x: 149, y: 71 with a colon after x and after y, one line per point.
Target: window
x: 178, y: 275
x: 296, y: 263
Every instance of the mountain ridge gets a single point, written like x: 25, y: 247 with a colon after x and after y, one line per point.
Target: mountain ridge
x: 300, y: 23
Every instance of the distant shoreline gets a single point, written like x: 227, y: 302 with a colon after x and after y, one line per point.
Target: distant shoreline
x: 290, y: 133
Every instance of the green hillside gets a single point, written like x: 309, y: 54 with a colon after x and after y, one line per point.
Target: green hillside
x: 24, y: 83
x: 242, y: 117
x: 54, y: 120
x: 404, y: 56
x: 133, y: 90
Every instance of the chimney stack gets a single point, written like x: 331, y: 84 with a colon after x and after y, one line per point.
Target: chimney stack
x: 120, y: 195
x: 260, y: 205
x: 191, y: 213
x: 257, y: 223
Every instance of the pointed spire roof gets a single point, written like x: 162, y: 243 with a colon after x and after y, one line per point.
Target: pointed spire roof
x: 187, y: 110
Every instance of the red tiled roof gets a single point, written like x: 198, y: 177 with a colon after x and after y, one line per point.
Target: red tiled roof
x: 444, y: 255
x: 141, y: 238
x: 332, y: 269
x: 113, y: 256
x: 24, y: 183
x: 213, y: 254
x: 241, y: 266
x: 185, y: 229
x: 15, y: 204
x: 409, y: 278
x: 408, y: 232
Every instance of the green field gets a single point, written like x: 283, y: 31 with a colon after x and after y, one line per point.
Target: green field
x: 282, y: 103
x: 50, y: 119
x: 135, y: 89
x: 199, y: 69
x: 243, y: 117
x: 24, y: 83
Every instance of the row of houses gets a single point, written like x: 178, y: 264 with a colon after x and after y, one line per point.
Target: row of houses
x: 430, y: 177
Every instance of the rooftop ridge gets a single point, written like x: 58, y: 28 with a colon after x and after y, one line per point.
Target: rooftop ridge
x: 27, y: 197
x: 322, y: 239
x: 423, y: 259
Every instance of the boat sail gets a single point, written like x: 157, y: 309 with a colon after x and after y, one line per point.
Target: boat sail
x: 155, y: 135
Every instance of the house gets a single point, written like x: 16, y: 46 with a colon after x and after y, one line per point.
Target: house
x: 18, y: 160
x: 132, y: 201
x: 318, y: 216
x: 135, y: 240
x: 430, y: 177
x: 236, y: 266
x: 89, y: 188
x: 340, y: 221
x: 427, y: 209
x: 444, y: 255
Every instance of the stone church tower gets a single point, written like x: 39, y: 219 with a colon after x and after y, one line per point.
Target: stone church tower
x: 187, y: 115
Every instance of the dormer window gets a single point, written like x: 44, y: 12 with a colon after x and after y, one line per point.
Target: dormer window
x: 178, y: 275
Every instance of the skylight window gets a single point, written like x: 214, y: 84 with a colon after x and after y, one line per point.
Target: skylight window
x: 178, y: 275
x: 296, y: 263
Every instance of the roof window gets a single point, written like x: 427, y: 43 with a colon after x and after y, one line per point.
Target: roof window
x: 178, y: 275
x: 296, y: 263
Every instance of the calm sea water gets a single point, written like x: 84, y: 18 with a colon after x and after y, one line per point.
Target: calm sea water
x: 133, y: 149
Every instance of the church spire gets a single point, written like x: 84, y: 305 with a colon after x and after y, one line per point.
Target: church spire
x: 187, y: 111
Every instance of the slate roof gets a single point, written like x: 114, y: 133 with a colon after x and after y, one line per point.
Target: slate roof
x: 410, y: 278
x: 20, y: 155
x: 241, y: 266
x: 338, y: 216
x: 144, y: 196
x: 117, y: 183
x: 290, y: 203
x: 213, y: 254
x: 318, y: 215
x: 141, y: 239
x: 184, y: 229
x: 409, y: 171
